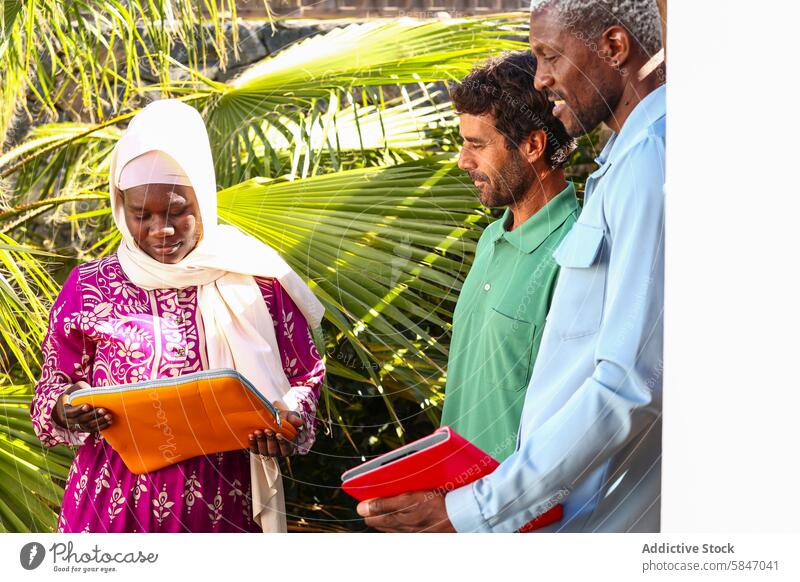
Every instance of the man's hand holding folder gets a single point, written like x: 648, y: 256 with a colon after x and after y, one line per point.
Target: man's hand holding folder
x: 416, y: 511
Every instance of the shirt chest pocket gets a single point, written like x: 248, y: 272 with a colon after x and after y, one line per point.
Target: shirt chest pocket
x: 509, y: 345
x: 577, y: 309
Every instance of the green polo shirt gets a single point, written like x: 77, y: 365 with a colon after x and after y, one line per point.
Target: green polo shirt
x: 498, y: 323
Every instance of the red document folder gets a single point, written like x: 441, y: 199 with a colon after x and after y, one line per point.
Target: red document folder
x: 442, y: 461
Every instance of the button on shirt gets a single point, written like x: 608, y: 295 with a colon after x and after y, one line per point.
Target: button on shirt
x: 590, y: 432
x: 498, y: 323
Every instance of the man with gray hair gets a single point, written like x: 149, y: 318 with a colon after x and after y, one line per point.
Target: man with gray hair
x: 590, y: 432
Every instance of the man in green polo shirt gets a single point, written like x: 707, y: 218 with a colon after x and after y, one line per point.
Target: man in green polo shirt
x: 513, y: 151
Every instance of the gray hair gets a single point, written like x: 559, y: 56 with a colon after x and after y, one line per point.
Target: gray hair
x: 641, y: 18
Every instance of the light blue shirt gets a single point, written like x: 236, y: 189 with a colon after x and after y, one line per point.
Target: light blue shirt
x: 590, y: 433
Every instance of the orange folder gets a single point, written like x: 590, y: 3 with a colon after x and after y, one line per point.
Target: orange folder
x: 161, y: 422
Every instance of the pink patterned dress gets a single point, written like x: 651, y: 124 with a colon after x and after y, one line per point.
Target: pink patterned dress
x: 106, y: 331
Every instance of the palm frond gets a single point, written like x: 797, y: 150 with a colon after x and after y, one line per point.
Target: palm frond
x: 26, y: 292
x: 31, y: 476
x: 399, y: 130
x: 370, y: 54
x: 89, y: 57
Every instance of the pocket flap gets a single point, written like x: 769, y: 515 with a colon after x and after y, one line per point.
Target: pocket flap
x: 580, y: 247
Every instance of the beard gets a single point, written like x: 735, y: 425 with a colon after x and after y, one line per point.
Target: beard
x: 588, y: 113
x: 509, y: 185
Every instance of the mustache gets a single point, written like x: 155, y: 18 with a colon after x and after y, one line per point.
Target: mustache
x: 551, y: 96
x: 475, y: 176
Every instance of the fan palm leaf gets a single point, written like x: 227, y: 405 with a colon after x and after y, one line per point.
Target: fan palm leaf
x: 370, y: 54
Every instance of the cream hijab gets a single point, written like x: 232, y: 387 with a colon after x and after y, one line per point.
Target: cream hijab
x: 238, y: 327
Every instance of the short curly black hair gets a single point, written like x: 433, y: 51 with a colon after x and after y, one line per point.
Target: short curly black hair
x: 504, y: 87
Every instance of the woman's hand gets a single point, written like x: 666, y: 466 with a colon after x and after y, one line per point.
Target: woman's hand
x: 268, y: 444
x: 81, y: 418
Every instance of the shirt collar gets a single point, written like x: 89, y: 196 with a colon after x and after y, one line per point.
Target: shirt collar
x: 530, y: 234
x: 649, y: 110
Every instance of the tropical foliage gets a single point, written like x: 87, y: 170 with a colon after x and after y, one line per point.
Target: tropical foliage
x: 339, y: 151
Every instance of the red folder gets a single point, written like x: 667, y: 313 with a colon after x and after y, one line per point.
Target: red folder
x: 443, y: 460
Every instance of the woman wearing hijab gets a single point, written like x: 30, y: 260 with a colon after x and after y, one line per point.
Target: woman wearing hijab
x: 182, y: 294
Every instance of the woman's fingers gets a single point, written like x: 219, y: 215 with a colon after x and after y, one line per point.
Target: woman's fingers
x: 72, y: 415
x: 262, y: 445
x: 76, y: 386
x: 292, y: 416
x: 286, y: 446
x: 295, y: 419
x: 272, y: 444
x: 81, y: 418
x: 266, y: 443
x: 269, y: 444
x: 99, y: 419
x: 94, y: 415
x: 102, y: 424
x: 87, y: 419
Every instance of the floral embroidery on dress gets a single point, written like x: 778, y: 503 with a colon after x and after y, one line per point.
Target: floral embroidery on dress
x: 81, y: 369
x: 290, y: 364
x: 216, y: 509
x: 288, y: 324
x: 138, y: 374
x: 138, y: 488
x: 192, y: 491
x: 116, y: 504
x: 130, y: 349
x: 236, y: 489
x: 101, y: 481
x: 247, y: 505
x: 119, y: 288
x: 90, y: 322
x: 81, y: 487
x: 162, y: 505
x: 73, y: 468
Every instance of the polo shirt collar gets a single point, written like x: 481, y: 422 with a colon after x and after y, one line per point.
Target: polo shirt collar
x: 533, y: 232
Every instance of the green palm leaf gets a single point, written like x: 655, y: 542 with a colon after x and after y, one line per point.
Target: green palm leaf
x: 31, y: 476
x: 26, y: 292
x: 87, y: 56
x: 363, y: 55
x: 399, y: 130
x: 30, y: 496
